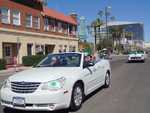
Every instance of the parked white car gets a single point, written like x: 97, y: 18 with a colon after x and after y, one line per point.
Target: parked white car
x: 136, y: 56
x: 57, y: 82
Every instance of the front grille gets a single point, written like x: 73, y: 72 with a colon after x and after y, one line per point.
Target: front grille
x: 135, y: 58
x: 24, y: 87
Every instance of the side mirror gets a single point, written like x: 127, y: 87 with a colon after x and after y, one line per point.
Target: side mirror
x: 88, y: 64
x: 34, y: 65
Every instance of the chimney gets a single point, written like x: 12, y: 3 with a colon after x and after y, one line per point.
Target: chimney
x: 74, y: 16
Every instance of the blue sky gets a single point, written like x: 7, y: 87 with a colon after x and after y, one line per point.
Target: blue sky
x: 123, y: 10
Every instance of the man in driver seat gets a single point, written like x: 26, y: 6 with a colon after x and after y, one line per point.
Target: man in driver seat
x: 54, y: 61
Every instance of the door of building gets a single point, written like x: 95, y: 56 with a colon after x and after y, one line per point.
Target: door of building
x: 7, y: 50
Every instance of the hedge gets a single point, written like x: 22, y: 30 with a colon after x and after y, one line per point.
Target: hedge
x: 32, y: 60
x: 2, y: 64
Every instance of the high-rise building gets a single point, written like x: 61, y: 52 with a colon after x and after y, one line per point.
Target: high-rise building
x: 136, y: 30
x: 82, y: 29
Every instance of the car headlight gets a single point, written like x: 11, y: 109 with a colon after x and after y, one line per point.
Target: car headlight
x: 129, y: 57
x: 6, y: 84
x: 54, y: 84
x: 142, y: 56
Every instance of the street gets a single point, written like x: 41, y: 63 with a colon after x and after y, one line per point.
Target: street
x: 129, y: 91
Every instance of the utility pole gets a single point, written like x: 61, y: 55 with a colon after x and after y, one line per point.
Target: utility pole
x: 95, y: 34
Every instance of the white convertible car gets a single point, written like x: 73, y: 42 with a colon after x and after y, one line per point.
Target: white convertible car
x: 57, y: 82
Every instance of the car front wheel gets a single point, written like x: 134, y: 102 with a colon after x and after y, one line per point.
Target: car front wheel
x: 77, y: 97
x: 107, y: 80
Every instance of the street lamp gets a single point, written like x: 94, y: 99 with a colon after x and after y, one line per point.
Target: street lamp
x: 90, y: 29
x: 107, y: 13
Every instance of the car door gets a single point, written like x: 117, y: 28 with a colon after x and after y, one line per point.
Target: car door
x: 100, y: 72
x: 89, y: 78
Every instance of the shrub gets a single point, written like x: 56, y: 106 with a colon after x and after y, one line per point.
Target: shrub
x: 2, y: 64
x: 32, y: 60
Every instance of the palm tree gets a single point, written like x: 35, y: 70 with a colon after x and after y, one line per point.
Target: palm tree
x: 129, y: 35
x: 96, y: 24
x: 116, y: 33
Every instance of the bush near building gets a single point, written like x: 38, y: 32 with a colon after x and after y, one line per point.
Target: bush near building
x: 32, y: 60
x: 2, y: 64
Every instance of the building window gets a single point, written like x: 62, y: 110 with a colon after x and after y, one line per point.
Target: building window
x: 60, y: 48
x: 65, y: 28
x: 73, y: 32
x: 60, y: 27
x: 29, y: 49
x: 46, y: 24
x: 65, y: 48
x: 5, y: 15
x: 52, y: 25
x: 72, y: 48
x: 7, y: 51
x: 36, y: 22
x: 40, y: 49
x: 16, y: 17
x: 28, y: 20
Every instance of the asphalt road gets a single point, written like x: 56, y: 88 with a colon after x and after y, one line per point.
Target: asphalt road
x: 129, y: 91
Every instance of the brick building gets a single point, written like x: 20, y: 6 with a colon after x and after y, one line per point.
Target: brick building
x: 29, y: 28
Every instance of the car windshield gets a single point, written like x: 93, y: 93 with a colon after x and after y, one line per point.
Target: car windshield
x: 61, y: 60
x: 136, y: 52
x: 132, y: 52
x: 140, y: 52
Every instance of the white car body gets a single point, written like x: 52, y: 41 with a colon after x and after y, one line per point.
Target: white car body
x: 136, y: 57
x: 50, y: 100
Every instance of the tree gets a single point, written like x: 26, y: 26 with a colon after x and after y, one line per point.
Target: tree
x: 96, y: 24
x: 104, y: 43
x: 129, y: 35
x: 86, y: 47
x: 116, y: 33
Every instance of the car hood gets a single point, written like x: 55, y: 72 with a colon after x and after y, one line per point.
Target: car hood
x: 44, y: 74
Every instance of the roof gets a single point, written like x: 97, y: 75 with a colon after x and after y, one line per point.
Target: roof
x: 59, y: 16
x: 118, y: 23
x: 122, y: 23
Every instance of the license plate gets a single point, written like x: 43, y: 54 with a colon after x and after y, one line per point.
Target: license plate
x: 18, y: 101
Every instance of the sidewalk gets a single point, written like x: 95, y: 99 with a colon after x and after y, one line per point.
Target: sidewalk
x: 12, y: 70
x: 119, y: 55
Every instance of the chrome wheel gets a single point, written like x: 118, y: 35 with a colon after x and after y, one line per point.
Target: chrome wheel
x: 78, y: 96
x: 107, y: 80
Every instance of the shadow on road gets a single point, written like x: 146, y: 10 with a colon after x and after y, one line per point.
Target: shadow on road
x: 93, y: 93
x: 7, y: 110
x: 135, y: 62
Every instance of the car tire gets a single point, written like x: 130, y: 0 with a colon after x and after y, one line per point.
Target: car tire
x: 107, y: 80
x: 143, y: 61
x: 9, y: 110
x: 77, y: 97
